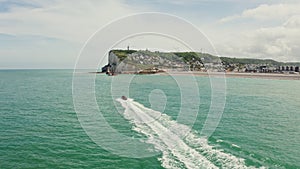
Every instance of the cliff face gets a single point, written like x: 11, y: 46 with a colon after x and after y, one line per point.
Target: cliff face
x: 113, y: 61
x: 118, y: 64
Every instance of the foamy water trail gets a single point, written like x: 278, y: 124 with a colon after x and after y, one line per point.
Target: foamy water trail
x: 179, y: 150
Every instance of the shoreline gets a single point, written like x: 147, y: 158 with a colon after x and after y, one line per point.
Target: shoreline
x: 274, y: 76
x: 239, y: 75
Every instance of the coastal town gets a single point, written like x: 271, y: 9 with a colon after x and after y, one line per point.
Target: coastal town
x: 148, y: 62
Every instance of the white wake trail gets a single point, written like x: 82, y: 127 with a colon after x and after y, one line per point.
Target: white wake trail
x: 166, y: 135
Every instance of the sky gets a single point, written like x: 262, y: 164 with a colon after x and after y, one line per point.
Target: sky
x: 51, y: 33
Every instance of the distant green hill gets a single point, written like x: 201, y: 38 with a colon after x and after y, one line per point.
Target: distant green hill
x: 190, y: 57
x: 227, y: 60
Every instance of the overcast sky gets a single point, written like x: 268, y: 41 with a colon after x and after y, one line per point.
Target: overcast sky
x: 50, y: 33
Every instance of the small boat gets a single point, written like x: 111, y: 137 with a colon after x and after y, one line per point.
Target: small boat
x: 124, y: 97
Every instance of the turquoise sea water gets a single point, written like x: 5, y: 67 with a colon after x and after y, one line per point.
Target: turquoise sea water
x: 39, y: 128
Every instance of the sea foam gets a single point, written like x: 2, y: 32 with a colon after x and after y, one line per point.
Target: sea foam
x: 179, y: 149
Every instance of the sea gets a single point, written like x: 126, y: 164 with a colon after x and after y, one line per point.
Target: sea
x: 45, y: 123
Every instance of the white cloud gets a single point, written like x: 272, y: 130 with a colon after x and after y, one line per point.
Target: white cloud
x: 278, y: 12
x: 70, y: 23
x: 267, y: 31
x: 279, y: 42
x: 70, y: 20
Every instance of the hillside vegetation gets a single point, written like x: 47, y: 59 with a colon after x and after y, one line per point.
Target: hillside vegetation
x: 190, y: 57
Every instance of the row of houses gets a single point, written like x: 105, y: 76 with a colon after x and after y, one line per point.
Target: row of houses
x: 288, y: 68
x: 270, y: 69
x: 260, y: 68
